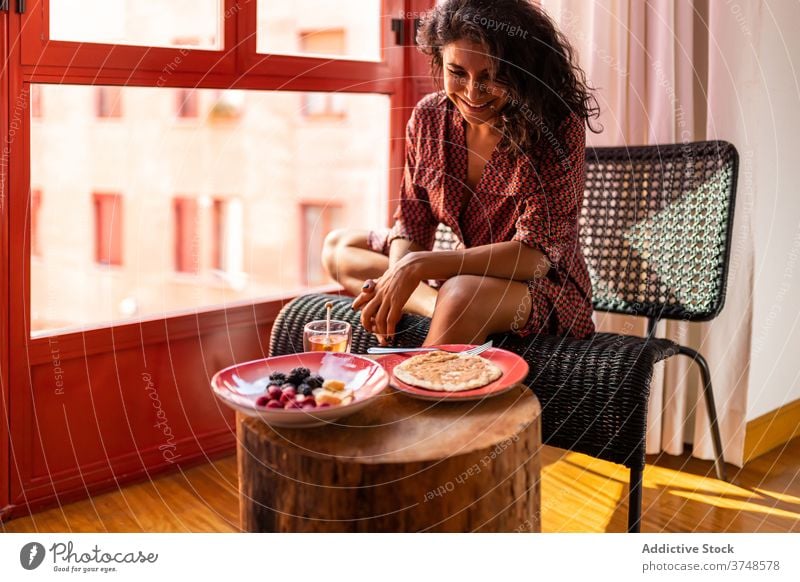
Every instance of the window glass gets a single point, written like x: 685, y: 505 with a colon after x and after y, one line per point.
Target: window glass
x: 162, y: 23
x: 343, y: 29
x: 149, y: 215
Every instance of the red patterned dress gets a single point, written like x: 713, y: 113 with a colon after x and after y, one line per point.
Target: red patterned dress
x: 534, y: 199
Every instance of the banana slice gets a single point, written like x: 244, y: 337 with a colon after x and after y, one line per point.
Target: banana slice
x: 324, y: 396
x: 333, y: 385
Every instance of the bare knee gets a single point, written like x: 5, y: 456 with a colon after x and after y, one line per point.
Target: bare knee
x: 331, y: 247
x: 337, y: 241
x: 458, y: 297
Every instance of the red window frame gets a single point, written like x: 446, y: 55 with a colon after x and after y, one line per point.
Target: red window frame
x: 37, y: 49
x: 177, y: 351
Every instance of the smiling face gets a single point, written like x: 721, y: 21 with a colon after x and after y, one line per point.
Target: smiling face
x: 469, y: 83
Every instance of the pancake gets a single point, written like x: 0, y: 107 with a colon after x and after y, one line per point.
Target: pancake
x: 447, y: 372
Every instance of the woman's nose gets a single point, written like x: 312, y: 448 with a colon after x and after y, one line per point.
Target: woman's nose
x: 473, y: 91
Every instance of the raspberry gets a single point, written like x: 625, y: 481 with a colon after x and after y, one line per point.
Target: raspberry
x: 262, y: 401
x: 274, y: 404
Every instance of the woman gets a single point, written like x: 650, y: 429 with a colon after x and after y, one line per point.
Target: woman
x: 498, y: 156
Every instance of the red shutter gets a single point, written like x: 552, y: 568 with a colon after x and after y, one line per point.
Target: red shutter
x: 109, y: 102
x: 186, y: 103
x: 36, y: 203
x: 186, y: 242
x: 108, y: 228
x: 217, y: 233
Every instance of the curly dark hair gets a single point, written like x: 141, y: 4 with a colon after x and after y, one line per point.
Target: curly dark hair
x: 531, y: 57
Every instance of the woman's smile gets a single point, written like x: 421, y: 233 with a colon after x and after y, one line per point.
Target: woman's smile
x: 476, y: 107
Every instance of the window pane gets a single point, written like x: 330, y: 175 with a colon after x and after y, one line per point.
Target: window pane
x: 164, y: 23
x: 346, y: 28
x: 149, y: 215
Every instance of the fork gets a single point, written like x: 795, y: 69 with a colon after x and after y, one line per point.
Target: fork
x: 470, y: 352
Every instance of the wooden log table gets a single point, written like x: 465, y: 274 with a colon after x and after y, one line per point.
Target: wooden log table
x: 399, y: 465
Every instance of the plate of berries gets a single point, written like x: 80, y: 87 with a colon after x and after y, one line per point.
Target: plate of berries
x: 300, y: 390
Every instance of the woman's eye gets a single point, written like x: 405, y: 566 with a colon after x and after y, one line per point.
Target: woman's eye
x: 456, y: 73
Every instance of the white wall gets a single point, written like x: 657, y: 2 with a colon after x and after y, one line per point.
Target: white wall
x: 757, y: 52
x: 775, y: 126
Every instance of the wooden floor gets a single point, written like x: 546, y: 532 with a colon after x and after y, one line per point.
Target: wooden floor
x: 579, y: 494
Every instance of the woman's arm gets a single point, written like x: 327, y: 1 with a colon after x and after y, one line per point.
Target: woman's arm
x: 385, y: 302
x: 505, y: 260
x: 400, y: 247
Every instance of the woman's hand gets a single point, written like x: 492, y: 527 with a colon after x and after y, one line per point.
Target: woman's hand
x: 383, y: 300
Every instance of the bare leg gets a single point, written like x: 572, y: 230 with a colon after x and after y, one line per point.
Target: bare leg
x: 471, y: 307
x: 349, y: 260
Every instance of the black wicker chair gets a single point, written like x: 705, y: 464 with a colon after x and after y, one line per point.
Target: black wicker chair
x: 655, y: 229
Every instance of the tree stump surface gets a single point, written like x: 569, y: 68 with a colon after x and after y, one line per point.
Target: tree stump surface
x: 398, y: 465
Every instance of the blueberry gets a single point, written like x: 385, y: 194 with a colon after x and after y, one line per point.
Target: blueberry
x: 277, y: 378
x: 315, y: 381
x: 304, y: 389
x: 300, y: 372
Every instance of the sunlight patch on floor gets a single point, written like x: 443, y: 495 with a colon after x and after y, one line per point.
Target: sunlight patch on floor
x: 577, y: 499
x: 779, y: 496
x: 735, y: 504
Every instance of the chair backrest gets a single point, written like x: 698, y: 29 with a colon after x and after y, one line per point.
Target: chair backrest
x: 655, y: 228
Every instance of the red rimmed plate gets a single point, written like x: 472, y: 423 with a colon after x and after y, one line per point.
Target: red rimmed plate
x: 239, y: 386
x: 514, y: 368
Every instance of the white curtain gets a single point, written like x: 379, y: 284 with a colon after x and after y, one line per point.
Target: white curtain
x: 659, y: 70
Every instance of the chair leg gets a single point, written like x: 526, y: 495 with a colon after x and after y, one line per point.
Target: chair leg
x: 719, y: 460
x: 635, y: 501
